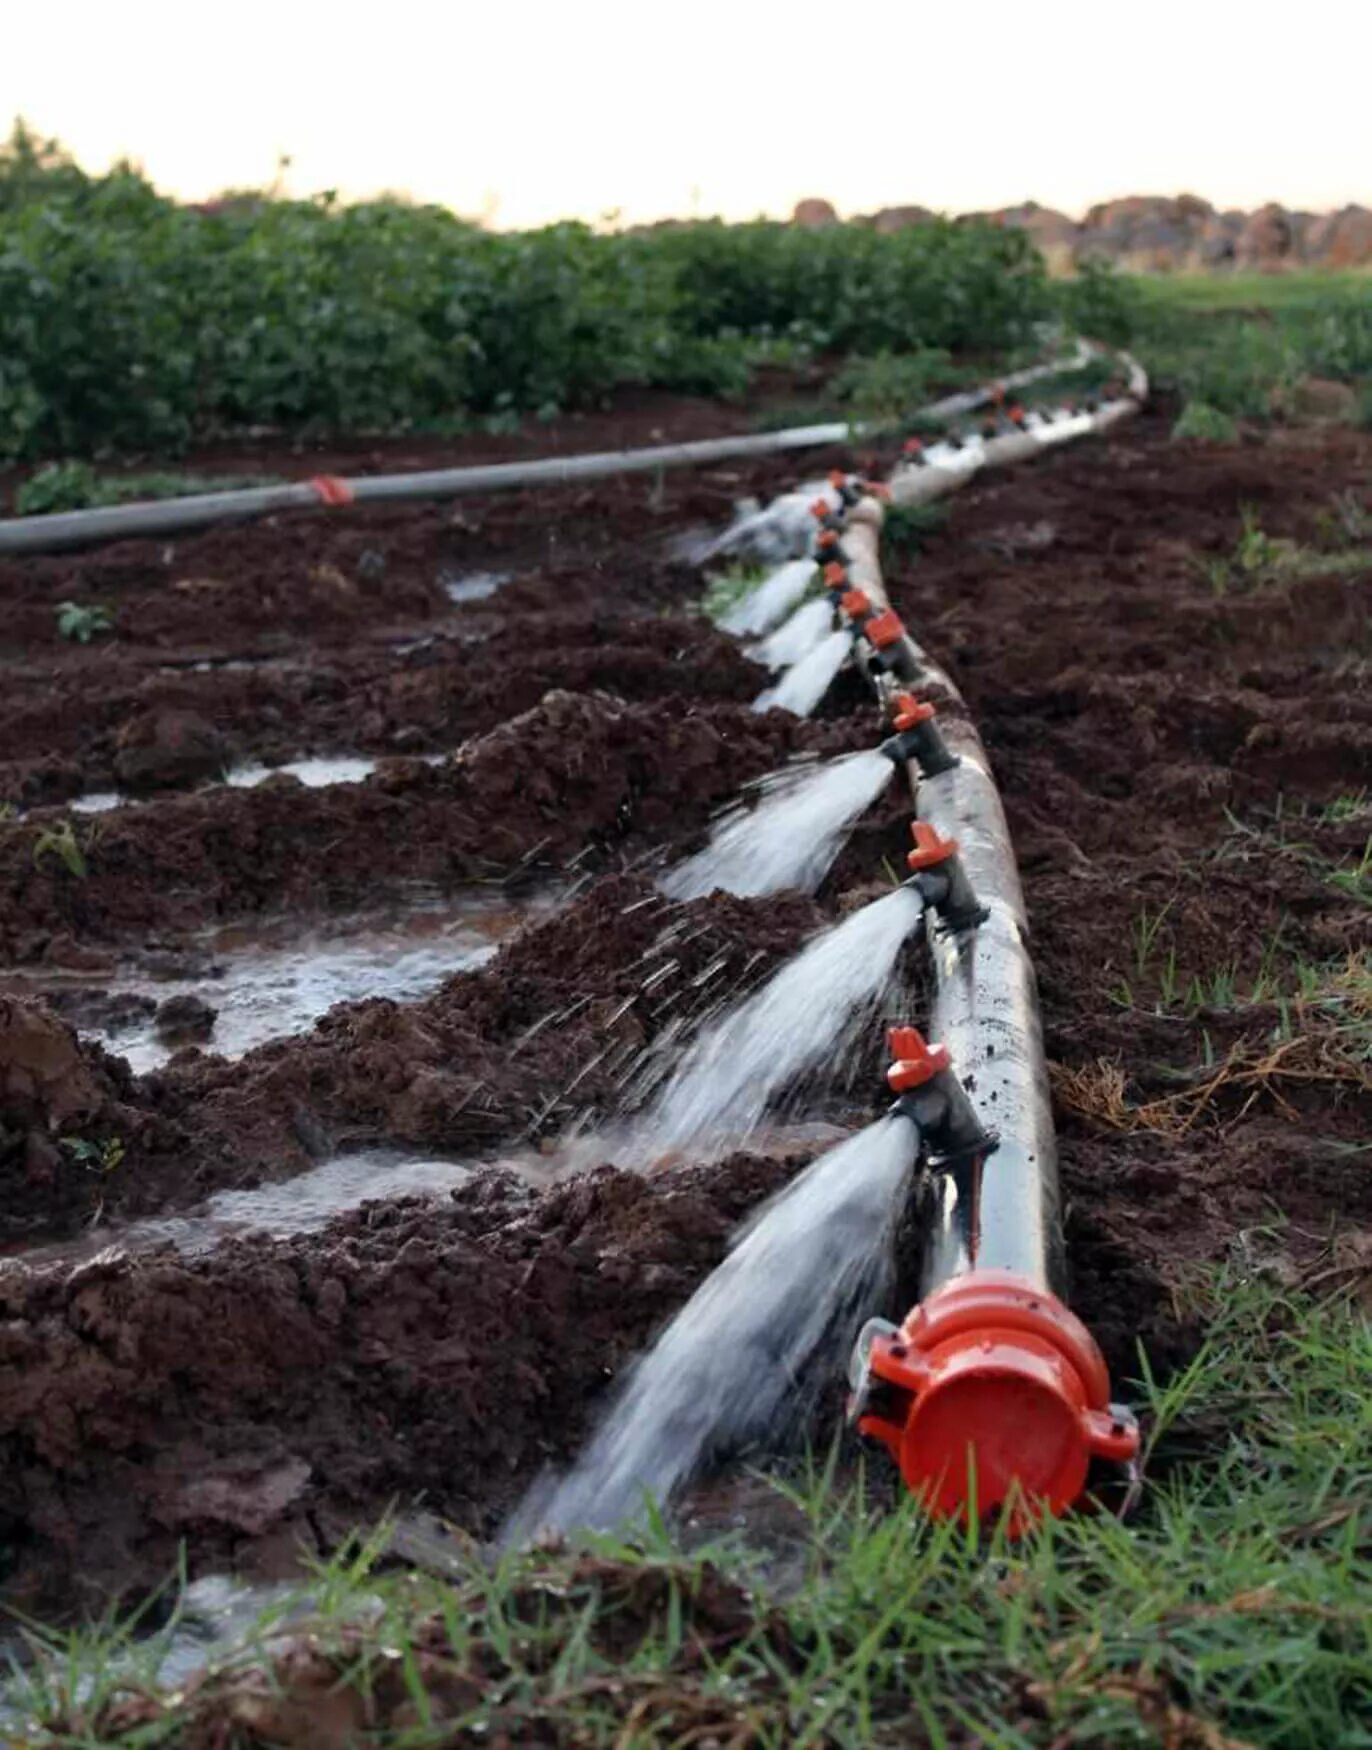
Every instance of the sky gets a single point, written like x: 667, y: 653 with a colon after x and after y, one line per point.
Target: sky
x: 522, y: 112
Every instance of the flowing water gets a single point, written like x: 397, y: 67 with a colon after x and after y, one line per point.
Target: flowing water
x: 801, y: 688
x: 746, y: 1356
x: 275, y: 979
x: 781, y: 529
x: 772, y: 600
x: 793, y: 835
x: 315, y: 772
x: 796, y: 637
x: 805, y: 1015
x: 302, y: 1205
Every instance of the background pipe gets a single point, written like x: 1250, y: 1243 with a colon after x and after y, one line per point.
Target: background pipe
x: 67, y: 529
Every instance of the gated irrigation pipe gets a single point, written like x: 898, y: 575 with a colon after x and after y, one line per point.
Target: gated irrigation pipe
x: 992, y: 1392
x: 65, y: 529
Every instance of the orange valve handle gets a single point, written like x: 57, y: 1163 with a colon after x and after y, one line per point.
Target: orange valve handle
x: 916, y: 1062
x: 835, y: 575
x: 913, y: 446
x: 991, y: 1395
x: 826, y: 539
x: 910, y: 711
x: 820, y: 508
x: 855, y: 604
x: 884, y: 630
x: 930, y: 850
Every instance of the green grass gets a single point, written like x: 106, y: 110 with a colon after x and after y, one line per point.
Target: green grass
x: 59, y: 486
x: 1238, y: 345
x: 1234, y: 1607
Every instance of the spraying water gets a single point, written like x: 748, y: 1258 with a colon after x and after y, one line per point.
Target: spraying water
x: 771, y: 601
x: 739, y: 1361
x: 801, y: 1017
x: 796, y: 637
x: 781, y: 529
x: 802, y: 687
x: 791, y: 838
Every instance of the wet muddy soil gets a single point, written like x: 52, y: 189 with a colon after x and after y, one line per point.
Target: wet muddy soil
x: 1183, y: 763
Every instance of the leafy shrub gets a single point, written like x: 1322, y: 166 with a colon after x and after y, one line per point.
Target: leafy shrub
x: 1100, y: 302
x: 58, y: 486
x: 888, y: 386
x: 80, y: 623
x: 1200, y: 420
x: 129, y: 322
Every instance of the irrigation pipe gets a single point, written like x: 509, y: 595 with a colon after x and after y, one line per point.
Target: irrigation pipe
x: 991, y: 1393
x: 62, y: 530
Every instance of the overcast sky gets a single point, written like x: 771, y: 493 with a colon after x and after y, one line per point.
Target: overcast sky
x: 526, y: 112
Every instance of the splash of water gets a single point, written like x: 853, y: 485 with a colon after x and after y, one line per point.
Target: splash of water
x: 772, y: 600
x: 741, y: 1361
x: 796, y: 637
x: 802, y: 687
x: 803, y: 1016
x: 793, y: 835
x: 779, y: 530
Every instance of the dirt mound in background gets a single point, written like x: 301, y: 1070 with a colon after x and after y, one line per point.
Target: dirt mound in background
x: 273, y: 1393
x: 577, y: 774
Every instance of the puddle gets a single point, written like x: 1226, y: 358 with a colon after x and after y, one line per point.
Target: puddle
x: 269, y: 981
x: 302, y: 1205
x: 216, y: 1621
x: 315, y: 771
x: 473, y: 586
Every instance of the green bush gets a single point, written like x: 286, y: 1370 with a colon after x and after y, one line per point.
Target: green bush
x: 1200, y: 420
x: 128, y: 322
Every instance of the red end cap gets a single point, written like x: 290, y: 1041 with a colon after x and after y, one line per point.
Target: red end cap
x: 1015, y: 415
x: 826, y: 538
x: 820, y: 508
x: 999, y: 1397
x: 930, y: 850
x: 885, y: 629
x: 912, y: 446
x: 915, y: 1061
x: 835, y: 575
x: 855, y: 603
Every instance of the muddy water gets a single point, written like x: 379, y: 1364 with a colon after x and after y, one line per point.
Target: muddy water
x: 790, y: 839
x: 302, y: 1205
x: 746, y: 1356
x: 315, y: 771
x: 275, y: 979
x: 473, y: 586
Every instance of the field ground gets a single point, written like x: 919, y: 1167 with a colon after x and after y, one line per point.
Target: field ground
x: 1165, y: 645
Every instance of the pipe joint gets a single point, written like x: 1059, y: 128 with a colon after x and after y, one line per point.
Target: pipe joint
x: 991, y: 1395
x: 931, y: 1096
x: 918, y: 737
x: 941, y: 881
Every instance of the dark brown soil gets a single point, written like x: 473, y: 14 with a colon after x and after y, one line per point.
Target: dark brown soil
x: 1170, y: 756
